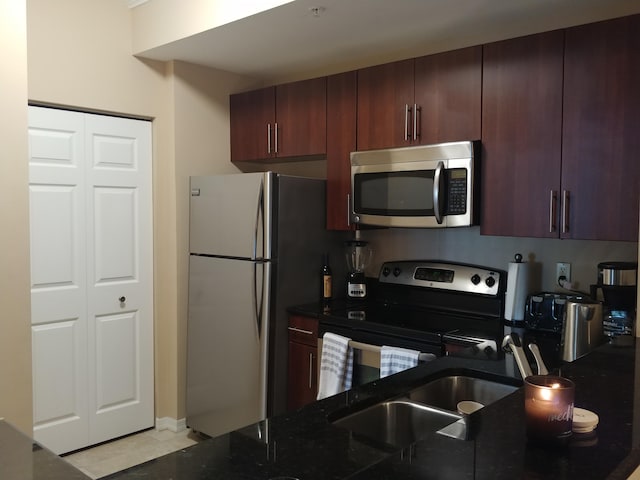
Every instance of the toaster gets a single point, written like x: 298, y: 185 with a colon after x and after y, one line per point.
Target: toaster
x: 544, y: 312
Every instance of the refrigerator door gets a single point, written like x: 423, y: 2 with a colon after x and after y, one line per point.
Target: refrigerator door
x: 227, y: 343
x: 231, y: 215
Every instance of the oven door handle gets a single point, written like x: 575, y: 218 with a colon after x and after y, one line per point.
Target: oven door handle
x: 437, y: 178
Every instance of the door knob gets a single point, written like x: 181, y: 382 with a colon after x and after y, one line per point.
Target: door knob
x: 122, y: 299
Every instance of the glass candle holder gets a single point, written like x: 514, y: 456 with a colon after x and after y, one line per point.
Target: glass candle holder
x: 548, y: 406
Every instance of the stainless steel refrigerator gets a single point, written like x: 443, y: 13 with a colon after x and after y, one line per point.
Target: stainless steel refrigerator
x: 256, y: 245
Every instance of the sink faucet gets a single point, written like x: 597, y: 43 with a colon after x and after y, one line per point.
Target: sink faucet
x: 511, y: 343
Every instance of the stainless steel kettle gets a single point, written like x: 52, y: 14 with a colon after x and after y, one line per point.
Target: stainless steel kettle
x: 582, y: 327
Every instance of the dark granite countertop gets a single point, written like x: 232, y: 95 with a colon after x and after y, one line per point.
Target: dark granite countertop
x: 304, y: 445
x: 23, y: 459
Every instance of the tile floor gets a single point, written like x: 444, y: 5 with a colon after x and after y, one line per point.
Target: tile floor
x: 132, y: 450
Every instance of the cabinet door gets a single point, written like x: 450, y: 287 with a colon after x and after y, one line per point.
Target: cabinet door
x: 303, y: 361
x: 301, y: 117
x: 521, y: 135
x: 303, y: 375
x: 448, y: 88
x: 385, y: 92
x: 341, y: 141
x: 601, y: 130
x: 252, y: 118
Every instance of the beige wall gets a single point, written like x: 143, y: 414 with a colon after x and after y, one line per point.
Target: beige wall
x: 15, y: 332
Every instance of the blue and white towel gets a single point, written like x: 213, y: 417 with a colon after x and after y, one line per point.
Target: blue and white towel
x: 336, y: 365
x: 396, y: 359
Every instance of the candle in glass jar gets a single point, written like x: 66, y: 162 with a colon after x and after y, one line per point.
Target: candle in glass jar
x: 548, y: 405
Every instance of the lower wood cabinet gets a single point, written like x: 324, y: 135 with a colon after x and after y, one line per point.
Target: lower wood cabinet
x: 303, y: 361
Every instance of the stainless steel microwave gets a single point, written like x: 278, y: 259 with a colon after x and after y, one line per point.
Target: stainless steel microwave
x: 429, y: 186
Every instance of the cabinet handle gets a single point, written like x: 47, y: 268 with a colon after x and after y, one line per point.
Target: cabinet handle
x: 553, y: 204
x: 415, y: 121
x: 275, y: 138
x: 269, y: 138
x: 310, y: 370
x: 299, y: 330
x: 406, y: 122
x: 566, y: 198
x: 348, y: 209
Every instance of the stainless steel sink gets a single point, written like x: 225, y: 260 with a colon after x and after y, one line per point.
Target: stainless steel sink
x: 429, y: 408
x: 398, y: 423
x: 447, y: 391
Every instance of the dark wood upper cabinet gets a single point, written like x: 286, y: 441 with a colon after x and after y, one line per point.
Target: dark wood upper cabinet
x: 560, y: 123
x: 288, y: 120
x: 521, y: 136
x: 558, y: 114
x: 448, y: 88
x: 251, y: 114
x: 385, y: 96
x: 601, y: 130
x: 341, y: 141
x: 430, y: 99
x: 301, y: 116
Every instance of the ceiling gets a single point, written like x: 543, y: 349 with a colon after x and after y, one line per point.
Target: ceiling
x: 306, y: 38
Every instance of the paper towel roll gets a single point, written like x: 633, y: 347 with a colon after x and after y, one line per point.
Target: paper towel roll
x: 517, y: 290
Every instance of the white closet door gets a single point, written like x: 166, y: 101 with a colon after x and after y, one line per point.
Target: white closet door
x: 91, y: 240
x: 58, y: 278
x: 119, y: 229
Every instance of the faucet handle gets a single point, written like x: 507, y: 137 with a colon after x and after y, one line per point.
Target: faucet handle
x: 511, y: 342
x: 542, y: 368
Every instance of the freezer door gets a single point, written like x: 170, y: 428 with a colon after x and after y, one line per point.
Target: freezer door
x: 227, y: 344
x: 230, y: 215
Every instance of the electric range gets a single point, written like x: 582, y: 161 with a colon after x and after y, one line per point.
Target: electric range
x: 433, y: 306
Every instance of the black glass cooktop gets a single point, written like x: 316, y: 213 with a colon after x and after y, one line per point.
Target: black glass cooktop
x: 412, y: 322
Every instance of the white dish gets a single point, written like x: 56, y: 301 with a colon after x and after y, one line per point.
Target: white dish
x: 584, y: 421
x: 467, y: 407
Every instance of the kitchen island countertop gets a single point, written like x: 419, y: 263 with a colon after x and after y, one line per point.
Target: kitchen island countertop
x: 303, y: 444
x: 23, y: 459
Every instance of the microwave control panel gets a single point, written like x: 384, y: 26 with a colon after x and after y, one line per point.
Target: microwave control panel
x: 457, y: 191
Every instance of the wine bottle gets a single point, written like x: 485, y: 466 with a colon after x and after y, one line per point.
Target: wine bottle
x: 326, y: 283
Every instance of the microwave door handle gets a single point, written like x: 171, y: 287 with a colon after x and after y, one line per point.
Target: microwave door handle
x: 436, y: 192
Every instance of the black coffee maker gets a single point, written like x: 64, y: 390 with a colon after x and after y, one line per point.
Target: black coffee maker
x: 618, y: 283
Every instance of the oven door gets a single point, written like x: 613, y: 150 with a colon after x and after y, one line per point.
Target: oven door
x: 366, y: 364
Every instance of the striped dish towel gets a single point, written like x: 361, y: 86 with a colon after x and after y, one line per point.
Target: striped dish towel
x: 396, y: 359
x: 336, y: 365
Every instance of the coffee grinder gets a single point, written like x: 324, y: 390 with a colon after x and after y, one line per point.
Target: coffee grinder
x: 618, y: 283
x: 358, y: 255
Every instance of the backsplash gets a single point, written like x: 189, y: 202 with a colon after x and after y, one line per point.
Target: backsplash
x: 467, y: 245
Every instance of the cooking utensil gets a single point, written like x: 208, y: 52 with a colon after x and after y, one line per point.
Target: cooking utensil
x: 511, y: 342
x: 542, y: 368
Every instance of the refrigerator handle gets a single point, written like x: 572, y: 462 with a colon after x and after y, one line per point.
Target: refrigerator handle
x: 258, y: 298
x: 263, y: 306
x: 259, y: 226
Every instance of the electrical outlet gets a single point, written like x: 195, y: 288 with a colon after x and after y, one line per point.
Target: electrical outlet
x: 563, y: 269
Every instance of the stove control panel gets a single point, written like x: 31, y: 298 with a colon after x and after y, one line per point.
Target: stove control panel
x: 457, y: 277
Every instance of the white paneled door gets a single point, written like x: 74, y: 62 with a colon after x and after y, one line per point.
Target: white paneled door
x: 91, y: 277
